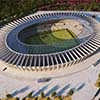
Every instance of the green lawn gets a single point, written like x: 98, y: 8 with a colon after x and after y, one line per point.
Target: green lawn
x: 62, y: 34
x: 61, y: 38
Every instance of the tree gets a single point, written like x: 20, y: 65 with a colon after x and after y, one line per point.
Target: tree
x: 53, y: 94
x: 30, y: 94
x: 42, y: 94
x: 71, y: 92
x: 48, y: 98
x: 9, y: 96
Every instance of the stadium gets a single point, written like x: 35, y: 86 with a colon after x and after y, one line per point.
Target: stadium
x: 51, y: 51
x: 49, y: 40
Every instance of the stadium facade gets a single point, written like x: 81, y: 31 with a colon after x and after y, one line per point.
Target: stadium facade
x: 41, y: 57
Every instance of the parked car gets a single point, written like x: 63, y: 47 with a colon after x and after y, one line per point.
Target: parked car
x: 43, y: 80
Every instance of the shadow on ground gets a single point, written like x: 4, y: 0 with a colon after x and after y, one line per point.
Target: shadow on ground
x: 20, y: 91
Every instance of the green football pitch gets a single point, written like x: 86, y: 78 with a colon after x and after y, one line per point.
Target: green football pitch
x: 62, y: 38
